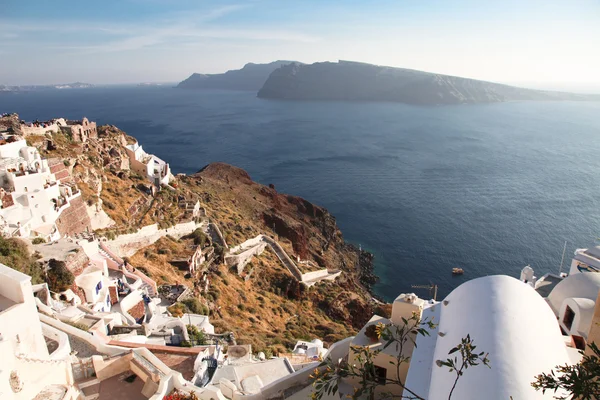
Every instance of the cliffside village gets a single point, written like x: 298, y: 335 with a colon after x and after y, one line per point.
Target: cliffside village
x: 111, y: 335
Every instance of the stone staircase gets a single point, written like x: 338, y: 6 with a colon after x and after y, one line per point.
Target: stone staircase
x: 149, y: 289
x: 108, y: 256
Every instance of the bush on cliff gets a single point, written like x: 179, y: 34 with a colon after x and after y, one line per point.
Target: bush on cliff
x: 59, y: 276
x: 15, y: 254
x: 194, y: 306
x: 199, y: 237
x: 196, y: 335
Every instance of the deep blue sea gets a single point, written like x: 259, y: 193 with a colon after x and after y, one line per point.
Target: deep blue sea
x: 489, y: 188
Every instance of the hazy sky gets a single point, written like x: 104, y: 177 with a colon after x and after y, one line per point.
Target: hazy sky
x: 554, y: 44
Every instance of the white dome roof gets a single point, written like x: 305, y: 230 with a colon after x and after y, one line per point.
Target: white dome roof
x: 317, y: 342
x: 584, y: 285
x: 507, y: 319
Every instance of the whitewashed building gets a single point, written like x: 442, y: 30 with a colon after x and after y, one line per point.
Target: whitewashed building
x: 35, y: 356
x: 148, y: 165
x: 32, y: 198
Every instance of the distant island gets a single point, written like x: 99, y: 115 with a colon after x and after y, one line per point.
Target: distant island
x: 354, y: 81
x: 32, y: 88
x: 251, y: 77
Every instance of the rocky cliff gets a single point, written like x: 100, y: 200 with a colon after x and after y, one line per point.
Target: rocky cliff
x: 353, y: 81
x: 251, y: 77
x: 266, y: 306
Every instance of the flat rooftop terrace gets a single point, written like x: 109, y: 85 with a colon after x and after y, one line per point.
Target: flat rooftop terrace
x: 5, y: 303
x: 122, y: 387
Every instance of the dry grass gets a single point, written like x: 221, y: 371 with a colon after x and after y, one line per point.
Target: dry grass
x: 267, y: 307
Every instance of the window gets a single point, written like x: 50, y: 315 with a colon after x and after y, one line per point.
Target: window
x: 568, y: 318
x: 380, y: 375
x: 98, y: 287
x: 579, y: 342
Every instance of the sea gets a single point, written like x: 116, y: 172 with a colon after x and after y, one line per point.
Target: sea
x: 487, y: 188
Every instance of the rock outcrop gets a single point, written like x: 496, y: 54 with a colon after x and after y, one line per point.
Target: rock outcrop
x: 251, y: 77
x: 353, y: 81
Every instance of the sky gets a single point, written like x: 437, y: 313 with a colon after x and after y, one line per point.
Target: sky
x: 541, y: 44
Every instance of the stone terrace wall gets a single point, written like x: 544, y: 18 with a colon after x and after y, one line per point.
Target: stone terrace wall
x: 60, y: 171
x: 39, y: 130
x: 76, y: 262
x: 245, y: 257
x: 127, y: 245
x: 74, y: 219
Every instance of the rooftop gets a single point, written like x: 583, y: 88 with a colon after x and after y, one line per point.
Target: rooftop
x: 178, y: 362
x: 57, y: 250
x: 125, y: 386
x: 546, y: 283
x: 5, y: 303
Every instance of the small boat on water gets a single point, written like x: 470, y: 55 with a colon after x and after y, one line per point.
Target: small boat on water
x: 457, y: 271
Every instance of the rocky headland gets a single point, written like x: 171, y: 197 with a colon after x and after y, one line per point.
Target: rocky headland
x: 354, y: 81
x: 251, y: 78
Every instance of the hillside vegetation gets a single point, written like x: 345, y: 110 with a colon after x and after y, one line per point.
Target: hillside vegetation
x: 266, y: 306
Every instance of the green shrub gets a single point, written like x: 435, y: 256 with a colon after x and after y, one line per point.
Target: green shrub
x: 78, y: 325
x: 219, y: 252
x: 199, y: 237
x: 59, y: 277
x: 15, y: 254
x: 215, y: 293
x: 38, y: 240
x: 196, y: 334
x: 194, y: 306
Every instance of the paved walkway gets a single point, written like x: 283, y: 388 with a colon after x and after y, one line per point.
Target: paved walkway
x: 83, y: 349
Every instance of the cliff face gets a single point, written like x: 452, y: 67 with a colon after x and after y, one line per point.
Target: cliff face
x: 365, y: 82
x: 251, y: 77
x: 277, y: 308
x: 266, y: 306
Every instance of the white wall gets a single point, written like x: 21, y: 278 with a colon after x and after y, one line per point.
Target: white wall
x: 20, y: 321
x: 127, y: 245
x: 88, y: 282
x: 11, y: 150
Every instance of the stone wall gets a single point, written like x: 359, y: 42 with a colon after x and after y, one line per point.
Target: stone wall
x: 60, y: 170
x: 74, y: 219
x: 39, y: 130
x: 7, y: 199
x: 76, y: 263
x: 127, y: 245
x: 81, y: 131
x: 243, y: 258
